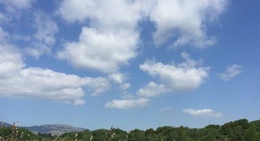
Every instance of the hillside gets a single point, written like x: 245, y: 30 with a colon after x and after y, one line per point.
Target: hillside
x: 54, y: 129
x: 5, y: 124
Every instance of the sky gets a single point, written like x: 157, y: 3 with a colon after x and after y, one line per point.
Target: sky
x: 129, y: 63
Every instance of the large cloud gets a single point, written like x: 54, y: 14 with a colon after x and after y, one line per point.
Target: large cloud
x: 10, y: 62
x: 185, y: 20
x: 171, y: 78
x: 17, y: 80
x: 111, y: 39
x: 101, y: 51
x: 112, y: 34
x: 103, y: 14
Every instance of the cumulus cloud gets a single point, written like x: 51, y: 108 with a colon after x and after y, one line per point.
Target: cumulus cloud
x: 231, y: 72
x: 101, y: 51
x: 189, y: 26
x: 202, y: 113
x: 108, y: 15
x: 173, y: 77
x: 17, y: 80
x: 112, y: 32
x: 10, y: 61
x: 127, y: 104
x: 112, y: 35
x: 152, y: 89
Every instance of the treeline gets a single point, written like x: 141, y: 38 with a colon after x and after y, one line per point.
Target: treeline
x: 239, y: 130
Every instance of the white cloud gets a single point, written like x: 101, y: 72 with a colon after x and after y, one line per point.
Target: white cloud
x: 73, y: 11
x: 19, y: 4
x: 10, y: 61
x: 3, y: 36
x: 112, y: 33
x: 231, y: 72
x: 40, y: 83
x: 101, y: 51
x: 127, y: 104
x: 120, y: 79
x: 111, y: 36
x: 79, y: 102
x: 189, y: 26
x: 97, y: 85
x: 112, y: 15
x: 152, y: 89
x: 17, y: 80
x: 39, y: 34
x: 202, y: 113
x: 181, y: 77
x: 44, y: 37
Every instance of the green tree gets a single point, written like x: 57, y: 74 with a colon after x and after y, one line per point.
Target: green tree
x: 137, y: 135
x: 237, y: 130
x: 14, y: 133
x: 100, y: 135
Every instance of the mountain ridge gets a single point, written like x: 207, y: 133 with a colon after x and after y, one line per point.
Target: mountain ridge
x: 53, y: 129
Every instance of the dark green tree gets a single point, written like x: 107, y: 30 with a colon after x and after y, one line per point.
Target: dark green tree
x: 137, y: 135
x: 236, y: 130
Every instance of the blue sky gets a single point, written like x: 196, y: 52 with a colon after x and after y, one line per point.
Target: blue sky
x: 129, y: 64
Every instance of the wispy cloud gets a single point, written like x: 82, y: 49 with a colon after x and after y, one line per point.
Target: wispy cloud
x: 19, y: 4
x: 127, y: 104
x: 202, y: 113
x: 231, y: 72
x: 44, y: 37
x: 166, y: 111
x: 120, y: 79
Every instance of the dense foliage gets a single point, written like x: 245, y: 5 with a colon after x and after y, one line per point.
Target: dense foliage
x: 240, y: 130
x: 16, y: 134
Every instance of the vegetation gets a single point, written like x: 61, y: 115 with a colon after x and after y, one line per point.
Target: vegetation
x: 239, y: 130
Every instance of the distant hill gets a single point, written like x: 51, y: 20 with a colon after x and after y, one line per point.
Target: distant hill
x: 54, y: 129
x: 5, y: 124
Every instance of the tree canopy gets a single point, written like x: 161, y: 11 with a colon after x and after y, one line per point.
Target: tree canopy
x: 239, y: 130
